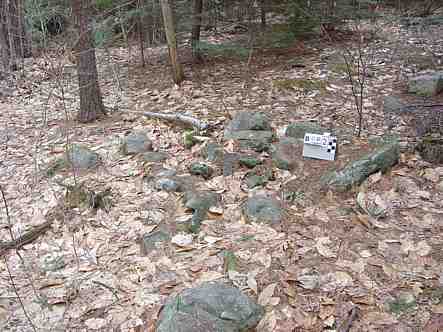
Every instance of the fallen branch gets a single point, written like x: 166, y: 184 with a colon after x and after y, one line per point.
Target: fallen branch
x: 26, y: 238
x: 185, y: 119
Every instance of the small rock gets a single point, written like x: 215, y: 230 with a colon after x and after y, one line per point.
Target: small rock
x: 257, y: 140
x: 284, y: 153
x: 230, y: 161
x: 201, y: 169
x: 201, y: 200
x: 150, y: 241
x: 392, y: 104
x: 439, y: 186
x: 136, y: 142
x: 431, y: 149
x: 299, y: 129
x: 80, y: 157
x: 262, y: 209
x: 249, y: 162
x: 249, y: 121
x: 168, y: 184
x: 165, y: 172
x: 153, y: 157
x: 254, y: 180
x: 211, y: 306
x: 212, y: 152
x: 426, y: 85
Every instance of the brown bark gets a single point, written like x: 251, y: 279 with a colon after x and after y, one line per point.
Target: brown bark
x: 13, y: 42
x: 168, y: 21
x: 196, y: 26
x: 91, y: 103
x: 263, y: 11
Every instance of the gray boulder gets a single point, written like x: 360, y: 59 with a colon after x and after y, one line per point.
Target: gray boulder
x: 199, y: 202
x: 150, y: 241
x: 249, y: 121
x: 262, y: 209
x: 426, y: 85
x: 212, y: 152
x: 356, y: 172
x: 201, y: 169
x: 252, y: 130
x: 80, y: 157
x: 170, y: 184
x: 285, y: 153
x: 154, y: 157
x: 210, y: 307
x: 135, y: 142
x: 258, y: 140
x: 299, y: 129
x: 392, y: 104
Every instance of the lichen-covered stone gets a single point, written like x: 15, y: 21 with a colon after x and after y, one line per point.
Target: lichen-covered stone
x: 426, y: 85
x: 212, y: 152
x: 249, y: 121
x: 299, y: 129
x: 210, y: 307
x: 80, y: 157
x: 263, y: 209
x: 135, y: 142
x: 284, y: 153
x: 154, y: 157
x: 201, y: 169
x: 357, y: 171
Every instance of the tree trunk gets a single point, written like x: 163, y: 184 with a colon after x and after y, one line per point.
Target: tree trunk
x: 13, y: 41
x: 228, y: 9
x: 196, y: 26
x: 263, y: 10
x: 168, y: 21
x: 91, y: 103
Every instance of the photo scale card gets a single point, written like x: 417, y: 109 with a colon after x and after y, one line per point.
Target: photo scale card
x: 321, y: 147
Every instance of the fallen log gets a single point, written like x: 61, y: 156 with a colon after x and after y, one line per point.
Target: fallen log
x: 26, y: 238
x: 185, y: 119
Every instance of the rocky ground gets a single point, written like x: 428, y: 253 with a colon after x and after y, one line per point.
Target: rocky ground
x: 134, y: 216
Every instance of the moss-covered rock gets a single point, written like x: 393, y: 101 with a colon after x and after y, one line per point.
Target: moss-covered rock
x: 381, y: 159
x: 209, y: 307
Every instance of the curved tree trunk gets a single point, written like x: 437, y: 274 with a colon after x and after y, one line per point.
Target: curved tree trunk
x: 91, y: 103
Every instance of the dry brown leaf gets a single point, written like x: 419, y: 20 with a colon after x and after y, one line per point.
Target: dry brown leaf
x: 380, y: 318
x: 268, y: 322
x: 265, y: 296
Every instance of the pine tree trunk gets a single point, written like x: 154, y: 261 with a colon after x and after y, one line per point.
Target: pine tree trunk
x: 168, y: 21
x: 91, y: 103
x: 196, y: 26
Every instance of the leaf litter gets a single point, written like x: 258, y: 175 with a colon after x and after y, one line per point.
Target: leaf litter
x: 361, y: 249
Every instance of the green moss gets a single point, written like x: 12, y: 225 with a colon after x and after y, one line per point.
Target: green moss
x: 303, y: 84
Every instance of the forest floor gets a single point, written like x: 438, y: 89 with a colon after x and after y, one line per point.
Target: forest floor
x: 87, y: 272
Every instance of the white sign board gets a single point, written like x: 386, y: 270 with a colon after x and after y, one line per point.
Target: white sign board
x: 320, y: 146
